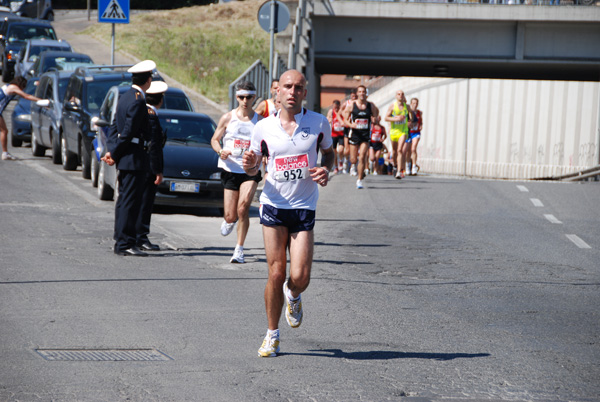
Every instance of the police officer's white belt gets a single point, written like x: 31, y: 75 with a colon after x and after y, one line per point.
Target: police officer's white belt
x: 135, y: 140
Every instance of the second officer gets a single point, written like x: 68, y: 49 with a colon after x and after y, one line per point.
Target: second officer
x: 154, y: 176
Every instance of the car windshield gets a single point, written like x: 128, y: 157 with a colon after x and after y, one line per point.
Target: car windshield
x: 35, y: 51
x: 97, y: 90
x: 65, y: 63
x: 188, y: 129
x: 24, y: 32
x: 176, y: 102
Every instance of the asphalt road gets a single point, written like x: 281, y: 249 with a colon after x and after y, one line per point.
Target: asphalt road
x: 428, y: 288
x: 425, y: 289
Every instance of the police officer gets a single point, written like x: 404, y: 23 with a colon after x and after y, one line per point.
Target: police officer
x: 125, y: 143
x: 154, y: 175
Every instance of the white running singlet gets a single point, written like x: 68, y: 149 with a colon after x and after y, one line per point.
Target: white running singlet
x: 288, y: 184
x: 237, y: 140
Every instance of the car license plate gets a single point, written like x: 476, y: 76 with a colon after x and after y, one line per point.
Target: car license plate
x: 184, y: 187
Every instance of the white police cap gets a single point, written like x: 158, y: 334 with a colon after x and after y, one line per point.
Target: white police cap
x: 157, y: 87
x: 145, y: 66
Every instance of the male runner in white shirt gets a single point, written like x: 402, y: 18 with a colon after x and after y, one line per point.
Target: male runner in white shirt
x: 290, y: 140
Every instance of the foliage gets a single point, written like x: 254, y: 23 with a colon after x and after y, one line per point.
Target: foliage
x: 133, y: 4
x: 205, y: 47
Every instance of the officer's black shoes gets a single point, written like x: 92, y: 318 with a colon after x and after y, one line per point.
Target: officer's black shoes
x: 147, y: 246
x: 133, y: 251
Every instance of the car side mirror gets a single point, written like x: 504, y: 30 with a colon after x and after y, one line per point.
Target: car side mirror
x: 72, y: 106
x: 101, y: 123
x: 43, y: 103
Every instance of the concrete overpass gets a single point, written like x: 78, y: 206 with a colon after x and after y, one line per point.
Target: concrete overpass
x: 457, y: 40
x: 530, y: 106
x: 449, y: 40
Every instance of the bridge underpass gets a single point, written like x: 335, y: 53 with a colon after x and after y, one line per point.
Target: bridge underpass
x: 493, y: 42
x: 456, y: 40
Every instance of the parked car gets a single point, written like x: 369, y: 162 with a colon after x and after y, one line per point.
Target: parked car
x: 174, y: 98
x: 31, y: 51
x: 85, y: 93
x: 45, y: 120
x: 14, y: 31
x: 31, y: 8
x: 20, y: 128
x: 58, y: 60
x: 191, y: 175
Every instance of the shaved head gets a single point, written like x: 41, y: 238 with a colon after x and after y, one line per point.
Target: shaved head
x: 292, y: 90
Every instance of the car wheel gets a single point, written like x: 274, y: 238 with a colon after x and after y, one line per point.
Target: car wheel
x: 105, y: 191
x: 50, y: 16
x: 86, y: 165
x: 94, y: 168
x: 36, y: 148
x: 15, y: 142
x: 56, y: 153
x: 69, y: 159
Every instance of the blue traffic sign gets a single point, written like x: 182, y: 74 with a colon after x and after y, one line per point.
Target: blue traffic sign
x: 113, y: 11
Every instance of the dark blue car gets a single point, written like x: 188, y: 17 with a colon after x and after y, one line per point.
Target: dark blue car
x: 191, y: 175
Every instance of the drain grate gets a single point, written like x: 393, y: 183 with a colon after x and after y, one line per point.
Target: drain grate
x: 103, y: 355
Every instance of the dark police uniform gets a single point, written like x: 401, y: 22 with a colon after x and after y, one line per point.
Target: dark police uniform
x: 156, y: 163
x: 127, y: 136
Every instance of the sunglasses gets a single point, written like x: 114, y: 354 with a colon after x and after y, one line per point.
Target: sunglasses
x: 245, y: 96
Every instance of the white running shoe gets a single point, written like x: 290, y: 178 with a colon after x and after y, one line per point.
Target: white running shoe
x: 415, y: 169
x: 269, y: 347
x: 238, y: 256
x: 398, y: 175
x: 345, y: 167
x: 293, y: 311
x: 8, y: 157
x: 359, y: 184
x: 227, y: 228
x: 353, y: 171
x: 375, y: 173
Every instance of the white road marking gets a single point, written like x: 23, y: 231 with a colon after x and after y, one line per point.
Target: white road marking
x: 523, y: 189
x: 552, y: 218
x: 578, y: 242
x: 22, y: 204
x: 536, y: 202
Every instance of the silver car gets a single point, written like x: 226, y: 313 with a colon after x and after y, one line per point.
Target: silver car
x: 31, y: 51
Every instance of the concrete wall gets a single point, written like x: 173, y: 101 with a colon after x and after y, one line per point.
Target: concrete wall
x: 512, y: 129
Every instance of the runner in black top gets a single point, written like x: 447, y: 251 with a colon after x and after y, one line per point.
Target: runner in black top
x: 359, y: 116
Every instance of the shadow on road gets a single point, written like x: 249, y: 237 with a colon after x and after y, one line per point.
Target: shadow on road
x: 386, y: 355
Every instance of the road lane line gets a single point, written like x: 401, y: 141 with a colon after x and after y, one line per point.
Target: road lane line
x: 552, y: 218
x: 578, y: 242
x: 536, y: 202
x: 523, y: 189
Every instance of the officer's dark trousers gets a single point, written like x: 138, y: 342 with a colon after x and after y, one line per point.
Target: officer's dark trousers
x: 127, y: 209
x: 143, y: 222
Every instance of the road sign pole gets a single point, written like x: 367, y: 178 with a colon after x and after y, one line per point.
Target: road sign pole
x: 272, y: 33
x: 112, y: 46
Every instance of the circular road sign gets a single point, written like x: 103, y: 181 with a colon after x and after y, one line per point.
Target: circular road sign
x: 282, y: 16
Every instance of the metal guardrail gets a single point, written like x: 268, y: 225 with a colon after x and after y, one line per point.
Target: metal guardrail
x: 258, y: 74
x: 591, y: 173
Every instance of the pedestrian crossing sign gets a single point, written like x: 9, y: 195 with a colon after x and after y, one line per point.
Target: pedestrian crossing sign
x: 113, y: 11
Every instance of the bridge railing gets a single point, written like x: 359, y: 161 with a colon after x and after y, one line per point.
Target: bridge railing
x: 258, y: 74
